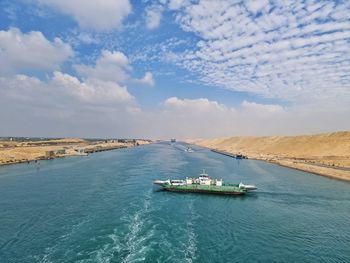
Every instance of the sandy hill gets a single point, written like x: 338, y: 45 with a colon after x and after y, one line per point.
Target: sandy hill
x: 328, y: 150
x: 320, y: 145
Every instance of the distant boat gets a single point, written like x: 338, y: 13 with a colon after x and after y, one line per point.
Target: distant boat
x: 189, y: 150
x: 173, y: 140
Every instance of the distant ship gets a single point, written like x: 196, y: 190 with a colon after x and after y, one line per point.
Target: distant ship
x: 189, y: 149
x: 173, y: 140
x: 204, y: 184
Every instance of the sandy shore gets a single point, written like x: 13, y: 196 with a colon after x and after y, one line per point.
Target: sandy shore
x: 26, y: 151
x: 323, y: 154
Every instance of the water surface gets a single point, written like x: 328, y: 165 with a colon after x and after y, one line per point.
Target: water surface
x: 104, y: 208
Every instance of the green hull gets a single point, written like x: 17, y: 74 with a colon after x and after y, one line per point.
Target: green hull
x: 195, y: 188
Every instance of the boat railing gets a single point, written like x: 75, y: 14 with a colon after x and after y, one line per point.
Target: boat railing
x: 226, y: 184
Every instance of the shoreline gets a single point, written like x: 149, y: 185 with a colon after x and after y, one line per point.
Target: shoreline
x: 19, y: 152
x: 342, y: 174
x: 315, y: 173
x: 31, y: 161
x: 319, y: 173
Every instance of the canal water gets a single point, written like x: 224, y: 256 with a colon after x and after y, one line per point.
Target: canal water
x: 104, y: 208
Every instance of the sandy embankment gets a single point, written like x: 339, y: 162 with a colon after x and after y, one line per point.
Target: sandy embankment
x: 17, y: 152
x: 324, y: 154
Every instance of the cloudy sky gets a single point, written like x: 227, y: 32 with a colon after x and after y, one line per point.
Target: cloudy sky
x: 173, y: 68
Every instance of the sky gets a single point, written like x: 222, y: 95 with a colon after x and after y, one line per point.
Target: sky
x: 173, y: 68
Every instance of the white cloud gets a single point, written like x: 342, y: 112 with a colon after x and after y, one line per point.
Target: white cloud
x: 177, y: 4
x: 204, y: 118
x: 65, y: 106
x: 277, y: 49
x: 64, y: 87
x: 257, y: 108
x: 21, y: 88
x: 96, y: 102
x: 201, y: 105
x: 21, y: 51
x: 153, y: 16
x: 92, y: 90
x: 193, y: 118
x: 93, y: 14
x: 147, y: 79
x: 110, y: 66
x: 183, y: 118
x: 97, y: 108
x: 256, y: 6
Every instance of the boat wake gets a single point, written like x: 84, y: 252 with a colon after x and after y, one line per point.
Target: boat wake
x: 130, y: 237
x: 138, y: 234
x: 106, y: 254
x: 190, y: 253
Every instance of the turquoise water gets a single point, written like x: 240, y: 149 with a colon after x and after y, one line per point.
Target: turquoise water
x: 104, y: 208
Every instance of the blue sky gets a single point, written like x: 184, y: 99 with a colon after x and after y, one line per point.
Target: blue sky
x: 173, y: 68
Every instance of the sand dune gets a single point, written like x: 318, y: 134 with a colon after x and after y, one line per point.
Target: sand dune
x: 326, y: 154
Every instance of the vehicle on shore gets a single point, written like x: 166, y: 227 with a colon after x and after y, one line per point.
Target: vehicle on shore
x: 204, y: 184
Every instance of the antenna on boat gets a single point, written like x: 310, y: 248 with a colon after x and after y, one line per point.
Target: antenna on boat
x: 204, y: 173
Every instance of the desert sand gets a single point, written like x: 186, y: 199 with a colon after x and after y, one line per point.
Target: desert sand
x: 18, y: 151
x: 325, y: 154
